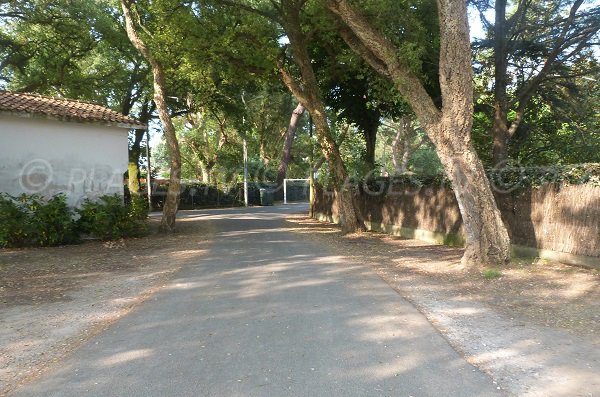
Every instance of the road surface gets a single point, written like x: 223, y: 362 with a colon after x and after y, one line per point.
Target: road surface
x: 267, y: 313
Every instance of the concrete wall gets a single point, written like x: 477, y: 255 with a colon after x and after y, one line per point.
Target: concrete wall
x: 47, y: 157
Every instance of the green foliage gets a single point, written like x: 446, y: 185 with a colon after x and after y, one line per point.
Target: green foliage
x: 513, y: 178
x: 53, y: 221
x: 557, y: 95
x: 425, y: 161
x: 492, y: 274
x: 70, y: 48
x: 14, y: 225
x: 108, y: 218
x: 503, y: 180
x: 383, y: 184
x: 30, y: 220
x: 138, y: 208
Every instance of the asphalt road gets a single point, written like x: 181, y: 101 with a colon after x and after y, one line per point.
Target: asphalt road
x: 266, y: 313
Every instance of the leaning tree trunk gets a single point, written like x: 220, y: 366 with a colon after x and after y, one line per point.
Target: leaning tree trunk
x: 449, y: 128
x: 487, y: 241
x: 287, y: 144
x: 167, y: 223
x: 308, y: 94
x: 349, y: 215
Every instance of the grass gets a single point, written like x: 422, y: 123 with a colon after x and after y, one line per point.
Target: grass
x: 491, y: 274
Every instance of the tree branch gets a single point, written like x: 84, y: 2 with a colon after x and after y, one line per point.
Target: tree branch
x: 381, y: 48
x: 292, y: 85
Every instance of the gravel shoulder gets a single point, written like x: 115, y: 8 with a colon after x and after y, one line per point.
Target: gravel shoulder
x: 55, y: 299
x: 535, y: 329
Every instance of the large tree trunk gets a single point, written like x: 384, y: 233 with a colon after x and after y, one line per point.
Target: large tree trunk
x: 449, y: 128
x: 167, y: 223
x: 487, y: 239
x: 287, y: 144
x: 310, y: 97
x: 348, y: 213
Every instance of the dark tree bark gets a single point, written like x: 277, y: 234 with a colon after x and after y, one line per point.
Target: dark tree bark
x: 287, y: 144
x: 370, y: 134
x: 449, y: 128
x: 500, y: 127
x: 167, y: 223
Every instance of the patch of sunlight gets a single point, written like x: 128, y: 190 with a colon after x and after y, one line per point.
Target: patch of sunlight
x: 566, y: 381
x: 579, y: 288
x: 125, y: 300
x: 186, y: 253
x: 21, y: 345
x: 495, y: 355
x: 464, y: 311
x: 186, y: 286
x: 305, y: 283
x: 125, y: 357
x: 259, y: 269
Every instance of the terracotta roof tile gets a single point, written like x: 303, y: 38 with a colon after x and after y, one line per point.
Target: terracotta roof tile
x: 63, y: 108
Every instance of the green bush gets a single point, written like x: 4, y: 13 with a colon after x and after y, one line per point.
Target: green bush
x: 512, y: 178
x: 30, y: 220
x: 108, y: 218
x: 14, y: 222
x: 492, y: 274
x: 53, y: 222
x: 138, y: 209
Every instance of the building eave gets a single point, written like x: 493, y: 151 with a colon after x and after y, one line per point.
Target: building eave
x: 42, y: 116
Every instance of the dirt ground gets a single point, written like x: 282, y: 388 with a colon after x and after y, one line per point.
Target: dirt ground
x: 54, y: 299
x: 546, y: 293
x: 535, y: 328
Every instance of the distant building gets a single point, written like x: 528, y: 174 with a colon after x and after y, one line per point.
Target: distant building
x: 51, y: 145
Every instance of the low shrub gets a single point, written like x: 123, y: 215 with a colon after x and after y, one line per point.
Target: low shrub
x: 53, y: 222
x: 492, y: 274
x: 108, y: 218
x: 14, y: 223
x: 138, y: 208
x: 31, y: 220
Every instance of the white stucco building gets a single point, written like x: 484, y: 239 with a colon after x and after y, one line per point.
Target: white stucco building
x: 50, y: 146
